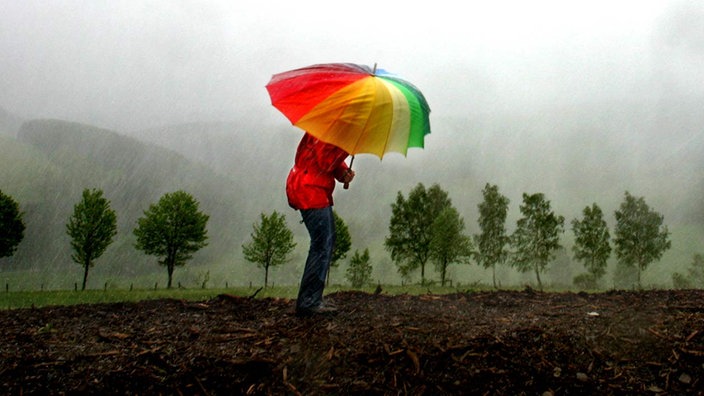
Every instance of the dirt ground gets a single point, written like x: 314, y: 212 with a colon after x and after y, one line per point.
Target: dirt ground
x: 493, y: 343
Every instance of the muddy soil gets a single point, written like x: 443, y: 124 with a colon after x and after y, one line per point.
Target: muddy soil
x: 484, y: 343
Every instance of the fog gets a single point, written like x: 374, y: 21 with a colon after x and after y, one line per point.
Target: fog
x: 132, y: 65
x: 579, y: 101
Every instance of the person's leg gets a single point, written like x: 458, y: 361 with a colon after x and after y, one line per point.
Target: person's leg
x: 321, y: 227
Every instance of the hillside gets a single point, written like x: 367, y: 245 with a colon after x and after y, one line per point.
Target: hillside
x: 53, y: 161
x: 575, y: 155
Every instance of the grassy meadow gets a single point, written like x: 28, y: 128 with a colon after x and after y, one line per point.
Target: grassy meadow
x: 45, y: 298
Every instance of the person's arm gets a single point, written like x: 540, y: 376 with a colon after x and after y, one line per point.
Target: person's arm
x: 331, y: 159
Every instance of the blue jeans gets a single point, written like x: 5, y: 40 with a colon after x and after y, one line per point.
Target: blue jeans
x: 321, y: 228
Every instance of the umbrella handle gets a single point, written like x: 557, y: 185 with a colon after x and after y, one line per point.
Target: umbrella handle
x: 347, y: 185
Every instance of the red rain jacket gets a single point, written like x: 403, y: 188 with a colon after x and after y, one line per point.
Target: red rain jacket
x: 311, y: 181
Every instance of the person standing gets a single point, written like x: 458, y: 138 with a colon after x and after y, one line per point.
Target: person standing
x: 309, y: 188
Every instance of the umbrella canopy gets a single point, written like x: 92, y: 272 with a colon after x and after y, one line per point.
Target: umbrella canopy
x: 353, y: 107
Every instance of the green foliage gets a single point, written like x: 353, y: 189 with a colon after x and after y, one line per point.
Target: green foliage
x: 448, y: 244
x: 492, y: 242
x: 359, y: 273
x: 343, y: 242
x: 172, y: 229
x: 410, y: 227
x: 11, y: 225
x: 92, y: 228
x: 537, y: 235
x: 591, y: 245
x: 640, y: 237
x: 272, y: 242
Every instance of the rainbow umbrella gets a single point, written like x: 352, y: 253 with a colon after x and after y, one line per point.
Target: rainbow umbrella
x: 354, y: 107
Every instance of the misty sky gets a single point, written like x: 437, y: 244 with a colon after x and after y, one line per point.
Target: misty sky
x: 129, y: 65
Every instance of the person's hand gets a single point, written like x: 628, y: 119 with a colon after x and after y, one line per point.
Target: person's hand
x: 347, y: 178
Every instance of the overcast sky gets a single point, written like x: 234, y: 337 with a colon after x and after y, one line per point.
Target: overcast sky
x: 138, y: 64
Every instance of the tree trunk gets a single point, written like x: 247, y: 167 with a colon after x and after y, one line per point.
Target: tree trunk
x: 85, y: 274
x: 443, y: 274
x: 493, y: 275
x: 266, y: 275
x: 537, y: 275
x: 170, y: 270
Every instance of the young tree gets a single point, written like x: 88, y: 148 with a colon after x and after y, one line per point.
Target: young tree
x: 343, y: 243
x: 537, y: 235
x: 492, y: 243
x: 272, y: 242
x: 694, y: 277
x: 625, y: 277
x: 591, y: 245
x: 11, y: 225
x: 172, y: 229
x: 359, y: 272
x: 410, y: 228
x: 696, y: 271
x: 448, y: 244
x: 92, y: 228
x: 640, y: 237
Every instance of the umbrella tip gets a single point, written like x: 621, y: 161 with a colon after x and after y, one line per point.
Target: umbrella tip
x: 374, y: 69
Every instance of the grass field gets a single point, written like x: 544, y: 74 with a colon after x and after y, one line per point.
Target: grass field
x: 29, y: 299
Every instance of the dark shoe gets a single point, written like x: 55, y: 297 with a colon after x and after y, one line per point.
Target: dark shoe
x: 319, y: 310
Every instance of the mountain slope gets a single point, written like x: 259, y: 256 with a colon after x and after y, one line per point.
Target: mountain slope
x: 53, y: 161
x: 576, y: 155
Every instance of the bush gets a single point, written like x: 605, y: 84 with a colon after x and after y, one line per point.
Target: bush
x: 680, y: 281
x: 11, y: 225
x: 585, y: 282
